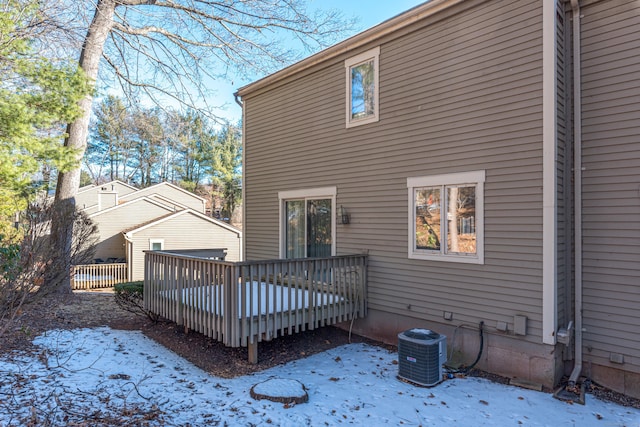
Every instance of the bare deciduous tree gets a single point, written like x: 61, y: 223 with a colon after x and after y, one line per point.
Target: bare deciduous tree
x: 27, y: 265
x: 171, y: 48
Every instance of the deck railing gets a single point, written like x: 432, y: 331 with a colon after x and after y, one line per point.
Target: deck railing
x: 94, y: 276
x: 242, y: 303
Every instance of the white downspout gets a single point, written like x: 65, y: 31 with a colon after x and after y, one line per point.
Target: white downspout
x: 549, y: 174
x: 243, y: 243
x: 128, y: 255
x: 577, y: 173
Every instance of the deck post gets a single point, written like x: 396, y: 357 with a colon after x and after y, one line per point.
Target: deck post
x: 179, y: 295
x: 252, y: 348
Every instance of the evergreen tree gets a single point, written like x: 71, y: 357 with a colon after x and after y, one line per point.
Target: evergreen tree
x: 227, y: 169
x: 37, y: 97
x: 110, y: 145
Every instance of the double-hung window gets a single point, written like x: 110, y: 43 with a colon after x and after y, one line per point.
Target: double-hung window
x: 362, y: 88
x: 156, y: 244
x: 446, y: 217
x: 307, y: 224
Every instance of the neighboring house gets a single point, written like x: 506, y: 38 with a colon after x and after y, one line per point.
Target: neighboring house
x: 93, y: 198
x: 172, y: 192
x: 486, y: 156
x: 113, y: 221
x: 131, y: 221
x: 184, y: 229
x: 86, y: 187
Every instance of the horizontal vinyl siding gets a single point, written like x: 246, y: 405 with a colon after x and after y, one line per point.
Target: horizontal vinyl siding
x: 89, y: 197
x: 611, y: 181
x: 456, y: 95
x: 185, y: 231
x: 112, y: 223
x: 177, y: 196
x: 120, y: 188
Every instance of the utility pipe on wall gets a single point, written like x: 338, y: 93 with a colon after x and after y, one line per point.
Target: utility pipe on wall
x: 243, y: 243
x: 577, y: 191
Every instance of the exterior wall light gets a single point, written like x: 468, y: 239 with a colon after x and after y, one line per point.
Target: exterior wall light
x: 344, y: 215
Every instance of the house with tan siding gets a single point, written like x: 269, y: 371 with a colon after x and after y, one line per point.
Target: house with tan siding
x: 181, y: 230
x: 93, y: 198
x: 486, y: 156
x: 131, y: 221
x: 172, y: 192
x: 112, y: 221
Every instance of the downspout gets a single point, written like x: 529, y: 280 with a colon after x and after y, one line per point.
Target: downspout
x: 243, y: 243
x: 577, y: 174
x: 237, y: 98
x: 128, y: 255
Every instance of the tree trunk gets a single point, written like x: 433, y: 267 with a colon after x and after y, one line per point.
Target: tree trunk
x: 452, y: 219
x: 77, y: 131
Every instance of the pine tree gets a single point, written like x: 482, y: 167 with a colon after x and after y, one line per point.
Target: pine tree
x: 37, y: 97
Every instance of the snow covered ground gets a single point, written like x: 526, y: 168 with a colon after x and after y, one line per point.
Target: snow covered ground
x: 108, y: 376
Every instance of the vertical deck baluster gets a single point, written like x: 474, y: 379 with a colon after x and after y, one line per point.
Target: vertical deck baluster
x: 326, y: 300
x: 271, y: 302
x: 292, y: 266
x: 230, y: 314
x: 206, y: 283
x: 300, y: 314
x: 243, y: 303
x: 211, y: 300
x: 217, y: 298
x: 226, y: 301
x: 331, y: 295
x: 200, y: 309
x: 284, y: 278
x: 169, y: 289
x: 152, y: 284
x: 339, y: 292
x: 254, y: 306
x: 263, y: 327
x: 162, y: 287
x: 296, y: 296
x: 312, y: 282
x: 199, y: 266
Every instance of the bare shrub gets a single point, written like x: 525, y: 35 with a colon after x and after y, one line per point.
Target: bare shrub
x: 31, y: 268
x: 130, y: 297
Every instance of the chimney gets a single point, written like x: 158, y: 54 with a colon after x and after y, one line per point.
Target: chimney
x: 107, y: 199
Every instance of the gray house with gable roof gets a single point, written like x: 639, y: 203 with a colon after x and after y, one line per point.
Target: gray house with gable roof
x: 486, y: 156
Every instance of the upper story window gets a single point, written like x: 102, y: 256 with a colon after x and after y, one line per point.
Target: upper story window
x: 362, y: 88
x: 446, y: 217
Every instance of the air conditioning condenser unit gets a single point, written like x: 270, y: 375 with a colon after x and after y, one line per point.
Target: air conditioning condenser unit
x: 421, y: 354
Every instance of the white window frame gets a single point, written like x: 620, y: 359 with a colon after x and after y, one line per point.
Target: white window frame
x: 312, y: 193
x: 354, y: 62
x: 475, y: 178
x: 152, y: 241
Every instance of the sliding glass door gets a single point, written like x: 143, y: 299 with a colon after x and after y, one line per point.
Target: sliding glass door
x: 308, y: 227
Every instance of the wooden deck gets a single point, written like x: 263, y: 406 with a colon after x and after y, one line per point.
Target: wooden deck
x: 243, y: 303
x: 95, y: 276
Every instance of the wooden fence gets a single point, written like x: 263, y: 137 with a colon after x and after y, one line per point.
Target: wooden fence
x: 94, y: 276
x: 243, y: 303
